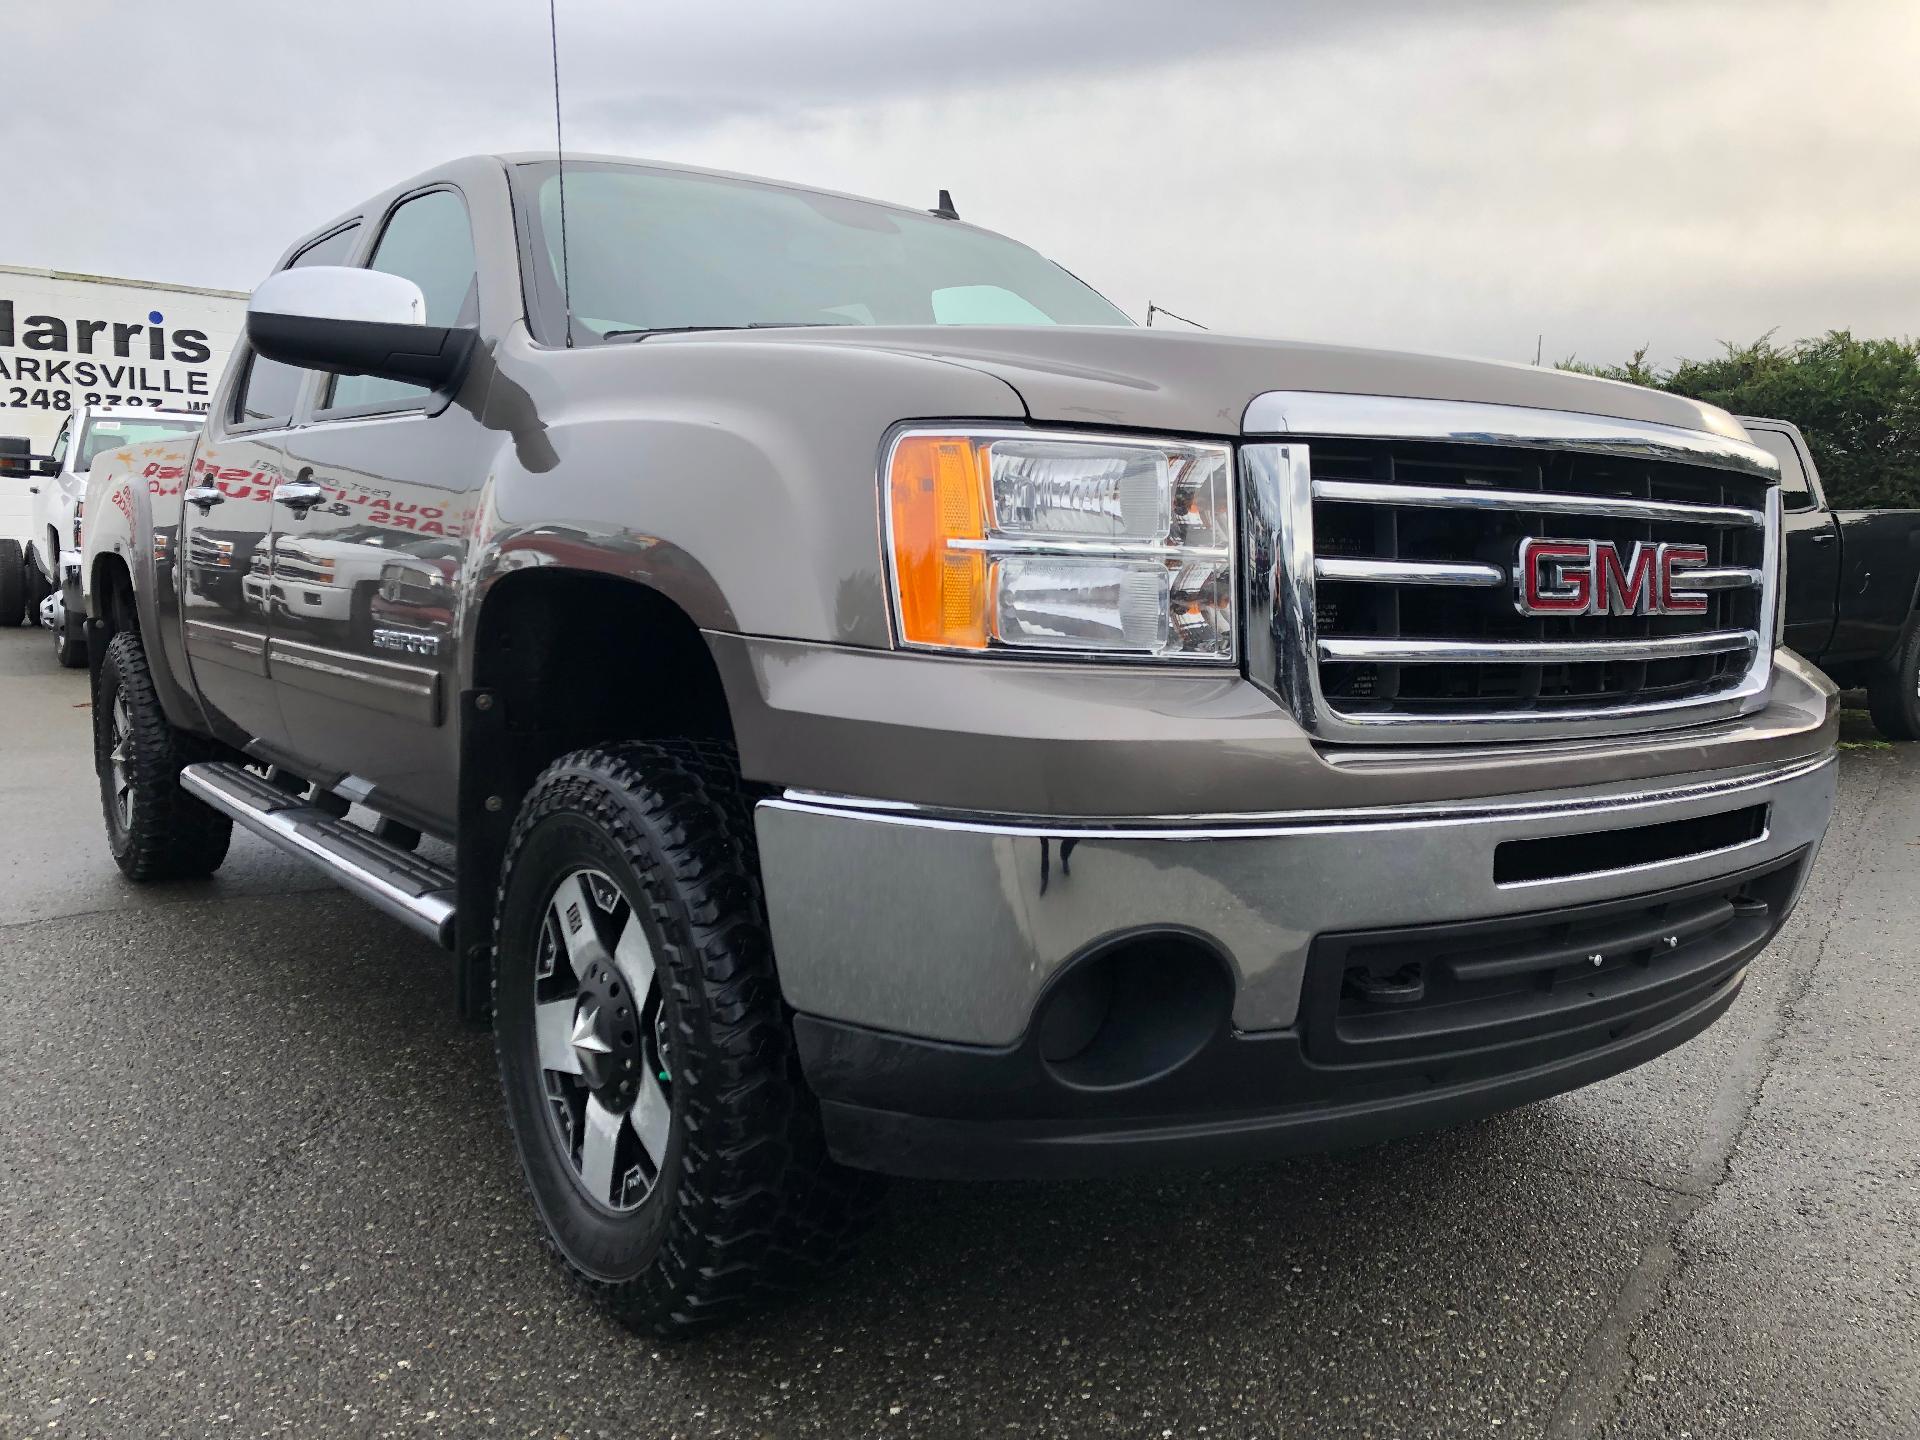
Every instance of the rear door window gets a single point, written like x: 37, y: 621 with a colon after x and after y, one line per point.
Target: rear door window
x: 268, y: 394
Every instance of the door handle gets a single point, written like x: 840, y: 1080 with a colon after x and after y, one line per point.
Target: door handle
x: 1821, y: 537
x: 299, y: 495
x: 205, y: 496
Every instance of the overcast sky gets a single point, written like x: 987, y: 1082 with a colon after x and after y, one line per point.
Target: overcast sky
x: 1442, y: 176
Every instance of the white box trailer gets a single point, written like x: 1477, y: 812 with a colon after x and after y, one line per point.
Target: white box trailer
x: 68, y: 340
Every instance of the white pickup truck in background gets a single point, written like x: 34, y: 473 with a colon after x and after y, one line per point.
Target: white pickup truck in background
x: 40, y: 580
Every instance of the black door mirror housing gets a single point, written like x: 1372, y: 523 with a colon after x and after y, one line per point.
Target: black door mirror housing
x: 23, y: 464
x: 347, y: 321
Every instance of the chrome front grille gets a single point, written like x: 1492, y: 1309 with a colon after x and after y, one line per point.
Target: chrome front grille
x: 1383, y: 579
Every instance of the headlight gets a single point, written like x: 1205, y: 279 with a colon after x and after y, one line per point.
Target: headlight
x: 1062, y: 543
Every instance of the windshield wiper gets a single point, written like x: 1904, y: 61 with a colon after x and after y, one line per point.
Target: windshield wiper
x: 693, y: 329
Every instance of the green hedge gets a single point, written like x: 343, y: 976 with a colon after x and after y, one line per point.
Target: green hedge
x: 1857, y: 401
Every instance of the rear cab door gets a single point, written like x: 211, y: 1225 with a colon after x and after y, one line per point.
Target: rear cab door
x: 1879, y: 554
x: 224, y: 565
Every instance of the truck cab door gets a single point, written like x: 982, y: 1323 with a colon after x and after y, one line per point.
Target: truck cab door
x: 365, y: 648
x: 46, y: 490
x: 226, y: 531
x: 1812, y: 542
x: 228, y: 516
x: 1877, y: 551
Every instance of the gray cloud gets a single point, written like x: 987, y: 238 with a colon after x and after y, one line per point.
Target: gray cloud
x: 1457, y: 177
x: 652, y: 69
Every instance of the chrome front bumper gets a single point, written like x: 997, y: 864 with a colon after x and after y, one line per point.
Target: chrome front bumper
x: 950, y: 927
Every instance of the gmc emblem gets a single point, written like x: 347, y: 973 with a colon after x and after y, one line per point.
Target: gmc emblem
x: 1588, y: 577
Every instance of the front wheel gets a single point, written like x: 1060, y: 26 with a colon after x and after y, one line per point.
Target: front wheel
x: 1893, y: 695
x: 157, y: 831
x: 671, y: 1145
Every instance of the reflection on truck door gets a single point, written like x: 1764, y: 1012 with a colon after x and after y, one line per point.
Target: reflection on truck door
x: 374, y: 698
x: 227, y: 523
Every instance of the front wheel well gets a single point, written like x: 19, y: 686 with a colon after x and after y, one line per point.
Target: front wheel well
x: 579, y: 659
x: 563, y: 660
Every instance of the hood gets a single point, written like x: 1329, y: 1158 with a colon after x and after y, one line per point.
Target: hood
x: 1201, y: 383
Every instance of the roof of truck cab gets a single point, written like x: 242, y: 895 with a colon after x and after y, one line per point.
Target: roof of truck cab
x: 546, y: 157
x: 469, y: 165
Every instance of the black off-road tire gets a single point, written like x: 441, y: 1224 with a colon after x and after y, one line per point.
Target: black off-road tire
x: 746, y: 1204
x: 70, y: 644
x: 169, y: 835
x: 13, y: 584
x: 1893, y: 695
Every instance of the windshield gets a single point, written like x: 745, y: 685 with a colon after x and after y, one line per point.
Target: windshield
x: 661, y: 250
x: 110, y: 433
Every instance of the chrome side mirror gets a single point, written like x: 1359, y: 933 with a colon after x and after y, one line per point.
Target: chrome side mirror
x: 348, y: 321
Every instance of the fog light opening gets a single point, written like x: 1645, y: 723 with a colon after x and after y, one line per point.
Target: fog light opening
x: 1134, y: 1010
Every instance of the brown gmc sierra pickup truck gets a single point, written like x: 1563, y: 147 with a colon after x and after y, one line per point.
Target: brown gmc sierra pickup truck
x: 853, y: 702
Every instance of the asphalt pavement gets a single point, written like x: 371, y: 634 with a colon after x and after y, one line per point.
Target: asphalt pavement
x: 254, y: 1180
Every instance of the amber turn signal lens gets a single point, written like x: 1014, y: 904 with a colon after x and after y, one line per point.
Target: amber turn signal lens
x: 937, y: 493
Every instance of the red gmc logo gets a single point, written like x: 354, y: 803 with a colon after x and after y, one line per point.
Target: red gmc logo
x: 1589, y: 577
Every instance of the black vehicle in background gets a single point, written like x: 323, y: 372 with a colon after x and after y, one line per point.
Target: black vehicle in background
x: 1853, y: 585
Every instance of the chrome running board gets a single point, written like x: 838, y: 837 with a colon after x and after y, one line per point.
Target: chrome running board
x: 412, y: 890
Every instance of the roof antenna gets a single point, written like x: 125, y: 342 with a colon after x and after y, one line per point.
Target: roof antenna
x: 560, y: 170
x: 1153, y: 309
x: 945, y: 208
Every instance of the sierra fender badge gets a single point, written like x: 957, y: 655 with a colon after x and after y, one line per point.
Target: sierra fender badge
x: 407, y: 641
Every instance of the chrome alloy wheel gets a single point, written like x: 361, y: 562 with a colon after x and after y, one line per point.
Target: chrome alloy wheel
x: 119, y: 757
x: 601, y: 1034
